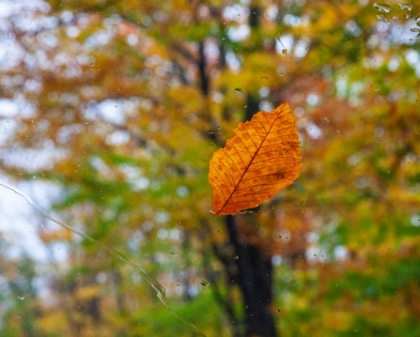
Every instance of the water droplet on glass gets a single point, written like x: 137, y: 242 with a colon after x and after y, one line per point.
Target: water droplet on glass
x: 406, y: 6
x: 235, y: 257
x: 418, y: 20
x: 283, y: 47
x: 21, y: 298
x: 245, y: 106
x: 407, y: 16
x: 214, y: 131
x: 379, y: 16
x: 326, y: 119
x: 238, y: 90
x: 174, y: 253
x: 205, y: 283
x: 382, y: 7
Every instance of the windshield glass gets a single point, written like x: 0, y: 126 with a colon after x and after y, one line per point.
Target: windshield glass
x: 110, y: 112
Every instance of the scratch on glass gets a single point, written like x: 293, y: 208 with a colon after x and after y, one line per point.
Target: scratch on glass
x: 160, y: 291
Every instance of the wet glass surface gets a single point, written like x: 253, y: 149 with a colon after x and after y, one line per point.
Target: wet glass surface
x: 109, y: 115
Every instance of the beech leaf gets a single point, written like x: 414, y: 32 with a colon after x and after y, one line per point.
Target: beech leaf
x: 260, y: 159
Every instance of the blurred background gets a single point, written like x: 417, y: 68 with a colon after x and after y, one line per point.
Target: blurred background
x: 109, y: 114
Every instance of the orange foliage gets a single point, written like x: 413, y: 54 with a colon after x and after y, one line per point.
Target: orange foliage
x: 261, y: 158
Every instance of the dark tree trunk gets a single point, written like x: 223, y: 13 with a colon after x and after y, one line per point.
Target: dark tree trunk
x: 252, y: 106
x: 252, y: 271
x: 253, y: 275
x: 202, y: 65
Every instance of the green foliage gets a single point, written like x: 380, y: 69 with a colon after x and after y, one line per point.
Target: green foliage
x: 130, y: 99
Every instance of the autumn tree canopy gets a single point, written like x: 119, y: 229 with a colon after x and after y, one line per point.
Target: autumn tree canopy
x: 112, y: 111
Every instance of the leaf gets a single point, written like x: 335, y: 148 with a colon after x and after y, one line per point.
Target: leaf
x: 261, y: 158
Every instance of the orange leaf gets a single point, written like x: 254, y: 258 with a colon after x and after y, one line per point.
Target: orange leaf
x: 261, y: 158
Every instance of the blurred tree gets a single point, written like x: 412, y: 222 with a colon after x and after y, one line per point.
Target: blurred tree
x: 122, y: 104
x: 18, y: 295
